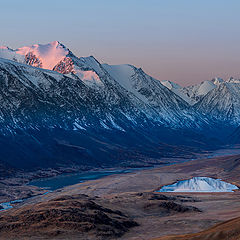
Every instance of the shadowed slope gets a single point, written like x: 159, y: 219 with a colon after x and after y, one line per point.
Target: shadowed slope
x: 229, y: 230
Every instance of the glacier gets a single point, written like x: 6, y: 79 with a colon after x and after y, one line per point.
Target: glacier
x: 199, y: 184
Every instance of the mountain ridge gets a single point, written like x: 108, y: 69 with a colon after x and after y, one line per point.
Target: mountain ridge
x: 83, y: 110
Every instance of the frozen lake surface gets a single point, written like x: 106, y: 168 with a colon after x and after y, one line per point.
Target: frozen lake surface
x: 199, y: 184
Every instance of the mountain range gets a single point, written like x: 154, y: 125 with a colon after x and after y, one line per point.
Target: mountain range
x: 60, y: 110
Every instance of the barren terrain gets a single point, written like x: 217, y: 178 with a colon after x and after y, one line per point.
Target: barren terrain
x: 155, y: 214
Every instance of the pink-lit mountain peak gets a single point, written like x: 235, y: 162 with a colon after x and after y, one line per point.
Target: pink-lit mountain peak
x: 49, y: 54
x: 55, y: 56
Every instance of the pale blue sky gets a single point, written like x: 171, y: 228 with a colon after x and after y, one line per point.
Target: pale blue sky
x: 186, y: 41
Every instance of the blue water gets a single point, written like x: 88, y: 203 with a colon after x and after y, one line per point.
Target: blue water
x: 64, y: 180
x: 8, y: 205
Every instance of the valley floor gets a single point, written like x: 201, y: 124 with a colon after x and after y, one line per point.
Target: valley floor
x: 157, y: 214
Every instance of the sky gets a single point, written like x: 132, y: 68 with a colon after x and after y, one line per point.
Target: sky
x: 185, y: 41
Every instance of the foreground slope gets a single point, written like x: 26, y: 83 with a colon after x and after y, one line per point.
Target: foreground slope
x: 229, y: 230
x: 77, y: 217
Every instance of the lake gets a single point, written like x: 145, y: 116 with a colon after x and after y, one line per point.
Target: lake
x: 64, y: 180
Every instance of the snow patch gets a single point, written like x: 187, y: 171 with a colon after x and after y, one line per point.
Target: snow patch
x: 116, y: 126
x: 197, y: 91
x: 205, y: 87
x: 199, y: 184
x: 90, y: 78
x: 123, y: 75
x: 77, y: 126
x: 49, y: 54
x: 103, y: 124
x: 177, y: 89
x: 10, y: 54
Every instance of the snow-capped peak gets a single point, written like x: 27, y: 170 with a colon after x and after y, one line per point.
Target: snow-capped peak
x: 170, y: 85
x: 46, y: 56
x: 196, y: 92
x: 178, y: 90
x: 49, y: 54
x: 123, y: 74
x: 55, y: 56
x: 205, y: 87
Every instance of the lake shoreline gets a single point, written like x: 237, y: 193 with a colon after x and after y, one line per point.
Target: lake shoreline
x: 20, y: 187
x: 135, y: 195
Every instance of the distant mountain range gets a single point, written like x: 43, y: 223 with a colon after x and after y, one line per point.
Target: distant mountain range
x: 58, y: 109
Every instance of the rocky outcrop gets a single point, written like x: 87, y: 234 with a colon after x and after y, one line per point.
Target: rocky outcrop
x: 32, y: 60
x: 65, y: 66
